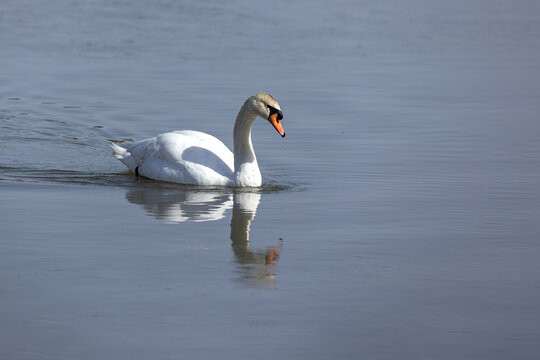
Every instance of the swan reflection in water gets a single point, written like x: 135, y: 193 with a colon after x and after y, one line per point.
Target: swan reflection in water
x: 256, y: 267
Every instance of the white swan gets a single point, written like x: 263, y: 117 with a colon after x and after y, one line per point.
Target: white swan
x: 193, y: 157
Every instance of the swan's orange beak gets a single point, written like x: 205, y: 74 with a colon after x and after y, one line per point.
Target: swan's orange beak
x: 276, y: 123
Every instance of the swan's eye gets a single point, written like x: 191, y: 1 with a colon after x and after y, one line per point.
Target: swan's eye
x: 273, y: 111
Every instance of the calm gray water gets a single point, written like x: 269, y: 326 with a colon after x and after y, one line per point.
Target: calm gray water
x: 398, y: 218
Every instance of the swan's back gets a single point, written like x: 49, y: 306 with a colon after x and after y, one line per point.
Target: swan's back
x: 187, y: 157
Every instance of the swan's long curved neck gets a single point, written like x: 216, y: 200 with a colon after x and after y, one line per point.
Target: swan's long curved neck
x: 246, y: 169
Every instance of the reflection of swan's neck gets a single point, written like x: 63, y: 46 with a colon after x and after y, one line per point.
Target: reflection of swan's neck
x: 246, y: 169
x: 244, y: 209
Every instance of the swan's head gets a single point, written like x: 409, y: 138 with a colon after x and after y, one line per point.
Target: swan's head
x: 268, y: 108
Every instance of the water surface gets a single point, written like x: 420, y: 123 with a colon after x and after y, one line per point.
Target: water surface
x: 398, y: 218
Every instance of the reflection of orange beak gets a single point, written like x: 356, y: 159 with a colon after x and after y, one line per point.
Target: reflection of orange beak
x: 272, y: 255
x: 276, y: 124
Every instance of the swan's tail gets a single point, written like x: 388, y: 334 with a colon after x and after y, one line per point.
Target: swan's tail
x: 124, y: 156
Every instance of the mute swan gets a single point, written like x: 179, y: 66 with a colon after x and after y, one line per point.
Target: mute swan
x: 193, y: 157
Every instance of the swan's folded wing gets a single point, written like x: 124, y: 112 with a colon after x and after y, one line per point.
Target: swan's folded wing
x: 189, y: 157
x: 200, y: 148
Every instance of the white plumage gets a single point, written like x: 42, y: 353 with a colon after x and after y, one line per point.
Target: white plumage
x: 193, y: 157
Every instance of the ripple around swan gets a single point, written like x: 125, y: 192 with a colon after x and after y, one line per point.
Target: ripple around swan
x: 123, y: 179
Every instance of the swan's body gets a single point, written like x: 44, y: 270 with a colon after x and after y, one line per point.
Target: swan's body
x: 193, y: 157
